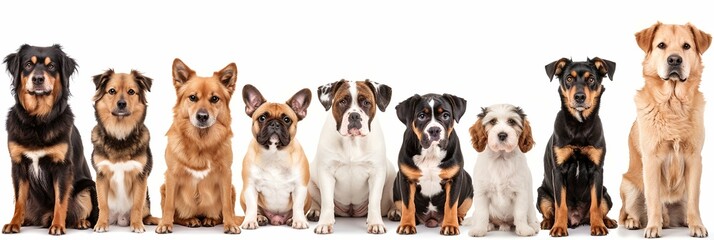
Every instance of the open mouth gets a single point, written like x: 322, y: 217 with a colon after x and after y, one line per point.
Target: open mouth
x: 121, y: 113
x: 39, y: 92
x: 579, y: 107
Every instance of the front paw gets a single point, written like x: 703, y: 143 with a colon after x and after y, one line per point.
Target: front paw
x: 101, y: 227
x: 449, y: 230
x: 546, y: 224
x: 609, y: 223
x: 558, y: 231
x: 231, y: 228
x: 323, y: 228
x: 137, y: 227
x: 406, y: 229
x: 313, y: 215
x: 478, y: 231
x: 163, y: 228
x: 11, y: 228
x: 632, y: 224
x: 525, y: 230
x: 57, y: 229
x: 210, y: 222
x: 299, y: 224
x: 698, y: 231
x: 262, y: 220
x: 378, y: 228
x: 249, y: 224
x: 394, y: 215
x: 82, y: 224
x: 653, y: 232
x: 598, y: 230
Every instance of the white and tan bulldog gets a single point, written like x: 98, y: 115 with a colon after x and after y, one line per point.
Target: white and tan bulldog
x: 351, y: 176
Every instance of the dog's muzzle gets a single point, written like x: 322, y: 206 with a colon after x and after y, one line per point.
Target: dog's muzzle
x: 121, y: 110
x: 354, y: 124
x: 674, y: 64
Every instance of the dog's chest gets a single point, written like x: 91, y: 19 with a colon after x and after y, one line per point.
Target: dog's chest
x: 428, y: 163
x: 120, y: 200
x: 275, y: 179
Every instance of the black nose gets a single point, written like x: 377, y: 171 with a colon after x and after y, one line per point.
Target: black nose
x: 354, y: 117
x: 502, y: 136
x: 121, y: 104
x: 434, y: 132
x: 37, y: 80
x: 579, y: 97
x: 674, y: 60
x: 202, y: 116
x: 274, y: 125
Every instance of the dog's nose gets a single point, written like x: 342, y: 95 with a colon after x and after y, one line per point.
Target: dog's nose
x: 121, y: 104
x: 274, y: 125
x: 434, y: 132
x: 674, y: 60
x: 202, y: 116
x: 502, y: 136
x: 579, y: 97
x: 37, y: 80
x: 354, y: 117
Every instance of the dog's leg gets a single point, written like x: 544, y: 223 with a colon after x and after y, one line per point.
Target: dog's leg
x: 388, y: 203
x: 397, y: 198
x: 597, y: 226
x: 168, y: 193
x: 480, y: 217
x: 61, y: 202
x: 102, y: 200
x: 631, y: 205
x: 521, y: 209
x: 137, y: 213
x: 314, y: 213
x: 408, y: 223
x: 605, y: 206
x: 546, y: 206
x: 651, y: 173
x: 250, y: 199
x: 22, y: 188
x: 148, y: 219
x: 693, y: 176
x: 560, y: 226
x: 228, y: 203
x: 299, y: 195
x: 327, y: 201
x: 450, y: 223
x: 375, y: 224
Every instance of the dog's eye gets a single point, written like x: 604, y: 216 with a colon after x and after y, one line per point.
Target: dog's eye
x: 591, y: 80
x: 343, y: 102
x: 112, y: 91
x: 131, y: 92
x: 214, y: 99
x: 686, y: 46
x: 569, y: 79
x: 193, y: 98
x: 261, y: 118
x: 366, y: 103
x: 493, y: 121
x: 287, y: 120
x: 28, y: 66
x: 661, y: 45
x: 421, y: 116
x: 511, y: 122
x: 446, y: 116
x: 51, y: 67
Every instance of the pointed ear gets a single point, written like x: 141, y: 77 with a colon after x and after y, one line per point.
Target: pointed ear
x: 701, y: 39
x: 405, y: 109
x: 181, y: 73
x: 382, y: 93
x: 252, y: 99
x: 525, y: 141
x: 479, y: 137
x: 228, y: 76
x: 143, y: 81
x: 100, y: 81
x: 299, y: 102
x: 457, y: 104
x: 326, y: 93
x: 556, y: 67
x: 645, y: 36
x: 604, y: 66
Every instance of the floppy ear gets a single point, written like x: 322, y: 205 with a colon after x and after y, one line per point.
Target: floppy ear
x: 143, y: 81
x: 101, y: 79
x: 556, y: 67
x: 12, y: 63
x: 252, y: 99
x: 382, y: 92
x: 326, y: 93
x: 458, y: 105
x: 701, y: 39
x: 181, y: 73
x: 603, y: 66
x: 299, y: 102
x: 69, y: 66
x: 525, y: 141
x: 405, y: 109
x: 479, y: 137
x: 229, y: 76
x: 645, y: 36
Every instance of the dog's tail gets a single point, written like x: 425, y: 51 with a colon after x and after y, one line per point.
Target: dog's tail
x: 80, y: 187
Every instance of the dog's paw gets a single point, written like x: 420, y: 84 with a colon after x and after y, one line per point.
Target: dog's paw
x: 698, y: 231
x: 163, y: 228
x: 653, y: 232
x: 525, y: 230
x: 449, y: 230
x: 193, y: 223
x: 378, y: 228
x: 262, y: 220
x: 313, y: 215
x: 546, y: 224
x: 249, y: 224
x: 610, y: 223
x: 210, y: 222
x: 57, y: 229
x: 137, y: 227
x: 632, y: 224
x: 231, y: 228
x: 558, y: 231
x: 504, y: 228
x: 11, y: 228
x: 598, y: 230
x: 394, y: 215
x: 477, y: 231
x: 491, y: 227
x: 406, y: 229
x: 323, y: 229
x: 82, y: 224
x: 101, y: 227
x: 298, y: 224
x: 535, y: 226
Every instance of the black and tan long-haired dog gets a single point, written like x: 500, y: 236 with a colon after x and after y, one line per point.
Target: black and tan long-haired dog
x: 572, y: 192
x: 51, y: 178
x: 121, y: 156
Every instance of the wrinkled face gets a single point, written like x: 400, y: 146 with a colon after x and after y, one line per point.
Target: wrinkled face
x: 433, y: 122
x: 120, y: 101
x: 673, y: 53
x: 354, y: 104
x: 503, y: 125
x: 274, y: 124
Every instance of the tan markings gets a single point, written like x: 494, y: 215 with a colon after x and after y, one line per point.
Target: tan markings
x: 47, y: 61
x: 586, y: 75
x: 560, y: 227
x: 399, y: 204
x: 16, y: 151
x: 574, y: 74
x: 546, y: 207
x: 416, y: 131
x: 591, y: 100
x: 57, y: 152
x: 60, y: 209
x: 412, y: 174
x: 597, y: 226
x: 567, y: 99
x: 450, y: 223
x: 593, y: 153
x: 562, y: 154
x: 408, y: 222
x: 33, y: 59
x: 525, y: 140
x: 559, y: 67
x: 463, y: 209
x: 449, y: 172
x: 19, y: 216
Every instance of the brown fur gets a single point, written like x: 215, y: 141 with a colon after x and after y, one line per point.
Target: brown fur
x: 560, y: 226
x: 40, y: 106
x: 407, y: 225
x: 195, y: 149
x: 667, y: 137
x: 479, y: 137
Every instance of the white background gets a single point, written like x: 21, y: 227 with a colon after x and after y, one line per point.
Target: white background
x: 487, y: 52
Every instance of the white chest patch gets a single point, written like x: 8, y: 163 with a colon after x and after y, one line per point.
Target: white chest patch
x: 199, y: 174
x: 428, y: 162
x: 275, y: 180
x: 121, y: 201
x: 35, y: 156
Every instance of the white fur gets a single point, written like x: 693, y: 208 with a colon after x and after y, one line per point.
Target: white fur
x: 199, y: 174
x: 354, y: 108
x: 120, y: 202
x: 35, y: 157
x: 434, y: 123
x: 503, y: 187
x: 428, y: 162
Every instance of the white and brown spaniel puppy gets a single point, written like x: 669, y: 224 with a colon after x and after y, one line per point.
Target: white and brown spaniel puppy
x: 503, y: 187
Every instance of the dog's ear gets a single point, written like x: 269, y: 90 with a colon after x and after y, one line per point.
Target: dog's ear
x: 525, y: 141
x: 299, y: 102
x: 556, y: 67
x: 12, y: 64
x: 382, y: 93
x: 181, y: 73
x: 479, y: 137
x: 229, y: 76
x: 701, y: 39
x: 100, y: 81
x: 405, y: 109
x: 457, y: 104
x: 144, y: 83
x: 603, y: 66
x: 326, y: 93
x: 252, y: 99
x: 69, y: 66
x: 645, y: 36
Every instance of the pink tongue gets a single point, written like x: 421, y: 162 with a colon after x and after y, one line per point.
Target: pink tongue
x: 354, y: 132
